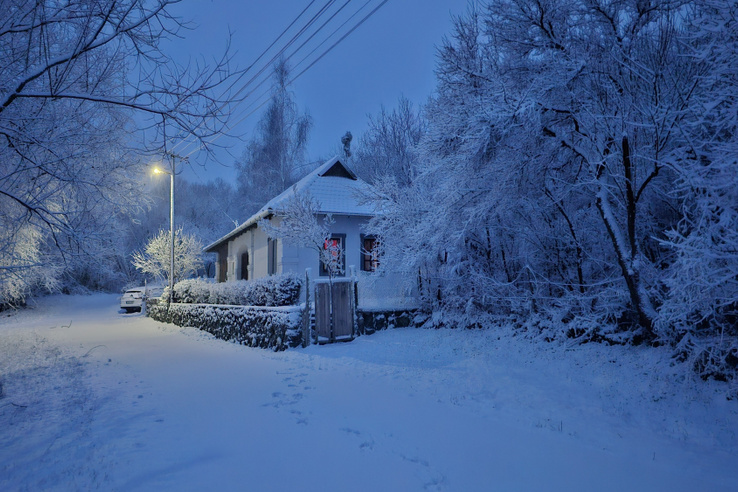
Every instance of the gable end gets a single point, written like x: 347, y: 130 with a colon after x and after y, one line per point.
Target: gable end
x: 337, y: 170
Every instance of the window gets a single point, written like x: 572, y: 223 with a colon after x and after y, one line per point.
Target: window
x: 369, y: 253
x: 335, y: 248
x: 271, y: 256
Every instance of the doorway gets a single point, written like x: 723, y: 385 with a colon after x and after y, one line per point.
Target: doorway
x: 245, y: 266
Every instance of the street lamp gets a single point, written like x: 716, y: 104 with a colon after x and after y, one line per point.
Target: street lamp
x: 158, y: 170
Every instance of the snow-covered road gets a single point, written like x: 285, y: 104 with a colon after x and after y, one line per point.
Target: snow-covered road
x: 93, y: 399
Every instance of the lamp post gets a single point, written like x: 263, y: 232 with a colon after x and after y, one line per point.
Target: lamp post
x: 171, y: 226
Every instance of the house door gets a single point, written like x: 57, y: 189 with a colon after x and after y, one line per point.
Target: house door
x: 334, y: 311
x: 245, y: 266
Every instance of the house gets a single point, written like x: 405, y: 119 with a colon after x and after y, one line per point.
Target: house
x: 248, y: 253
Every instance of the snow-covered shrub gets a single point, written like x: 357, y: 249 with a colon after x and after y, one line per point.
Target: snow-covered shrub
x: 276, y: 290
x: 711, y: 357
x: 224, y: 292
x: 264, y: 327
x: 192, y: 291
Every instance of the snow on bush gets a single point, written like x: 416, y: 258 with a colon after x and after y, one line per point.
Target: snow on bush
x: 277, y: 328
x: 190, y: 291
x: 277, y: 290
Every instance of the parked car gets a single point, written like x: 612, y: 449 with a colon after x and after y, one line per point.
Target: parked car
x: 133, y: 299
x: 154, y: 291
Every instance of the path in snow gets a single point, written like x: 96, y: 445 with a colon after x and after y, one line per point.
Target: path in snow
x: 94, y: 399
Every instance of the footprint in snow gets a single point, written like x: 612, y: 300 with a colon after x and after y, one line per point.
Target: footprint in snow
x: 435, y: 481
x: 366, y: 444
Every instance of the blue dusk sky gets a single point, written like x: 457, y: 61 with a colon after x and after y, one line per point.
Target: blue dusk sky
x: 393, y: 53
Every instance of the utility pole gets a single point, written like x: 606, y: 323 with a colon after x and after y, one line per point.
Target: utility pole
x: 171, y: 231
x: 171, y: 174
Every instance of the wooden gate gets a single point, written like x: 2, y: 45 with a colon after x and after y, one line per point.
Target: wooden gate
x: 334, y: 311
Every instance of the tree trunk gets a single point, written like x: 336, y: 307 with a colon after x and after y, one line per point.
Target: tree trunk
x: 626, y: 248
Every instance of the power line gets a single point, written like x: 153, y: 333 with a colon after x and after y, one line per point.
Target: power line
x: 331, y: 34
x: 341, y: 39
x: 271, y: 45
x: 261, y: 55
x: 294, y: 38
x: 321, y: 27
x: 297, y: 50
x: 289, y: 43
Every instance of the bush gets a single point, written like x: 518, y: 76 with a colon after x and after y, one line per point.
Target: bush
x: 191, y: 291
x: 277, y: 290
x: 263, y: 327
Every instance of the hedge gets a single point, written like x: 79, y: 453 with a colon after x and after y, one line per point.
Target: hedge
x: 277, y: 328
x: 276, y: 290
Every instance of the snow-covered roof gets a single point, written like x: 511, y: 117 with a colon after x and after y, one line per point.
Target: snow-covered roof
x: 335, y: 188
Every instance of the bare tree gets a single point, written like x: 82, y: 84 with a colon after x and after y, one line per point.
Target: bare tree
x: 86, y: 92
x: 269, y: 164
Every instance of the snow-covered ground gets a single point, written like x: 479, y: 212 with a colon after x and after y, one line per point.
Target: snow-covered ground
x: 94, y: 399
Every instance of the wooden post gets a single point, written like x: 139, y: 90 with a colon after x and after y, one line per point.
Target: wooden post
x: 354, y: 301
x: 322, y: 311
x: 355, y: 308
x: 307, y: 312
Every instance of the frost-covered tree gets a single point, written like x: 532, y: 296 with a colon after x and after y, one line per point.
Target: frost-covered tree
x: 23, y: 265
x: 700, y: 309
x: 299, y: 223
x: 269, y: 164
x: 605, y: 84
x: 555, y: 145
x: 389, y: 146
x: 154, y: 260
x: 86, y: 91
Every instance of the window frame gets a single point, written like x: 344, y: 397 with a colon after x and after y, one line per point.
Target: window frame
x: 272, y: 256
x: 342, y: 242
x: 369, y: 258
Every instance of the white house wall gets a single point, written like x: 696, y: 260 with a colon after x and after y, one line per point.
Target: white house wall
x: 235, y: 247
x: 290, y: 257
x: 375, y: 291
x: 260, y: 254
x: 253, y: 242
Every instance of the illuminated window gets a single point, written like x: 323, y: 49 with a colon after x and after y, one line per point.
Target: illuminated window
x: 335, y: 246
